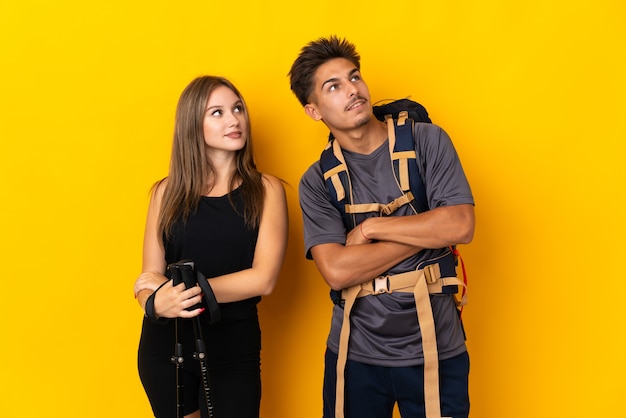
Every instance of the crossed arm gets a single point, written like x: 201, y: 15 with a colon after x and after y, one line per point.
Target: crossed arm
x: 378, y: 244
x: 258, y: 280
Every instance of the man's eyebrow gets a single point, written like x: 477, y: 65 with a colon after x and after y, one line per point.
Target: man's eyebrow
x: 332, y: 80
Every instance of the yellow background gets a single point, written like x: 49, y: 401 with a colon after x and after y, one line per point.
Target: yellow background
x: 531, y: 92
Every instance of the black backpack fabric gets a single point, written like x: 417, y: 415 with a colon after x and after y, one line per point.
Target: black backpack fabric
x: 416, y: 111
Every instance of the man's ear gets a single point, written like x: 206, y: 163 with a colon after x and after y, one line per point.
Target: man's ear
x: 311, y: 110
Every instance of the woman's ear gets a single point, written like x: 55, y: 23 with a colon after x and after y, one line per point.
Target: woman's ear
x: 311, y: 110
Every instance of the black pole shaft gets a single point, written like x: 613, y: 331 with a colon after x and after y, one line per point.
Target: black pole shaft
x: 200, y: 355
x: 178, y: 360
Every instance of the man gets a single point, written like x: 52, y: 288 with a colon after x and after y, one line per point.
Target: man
x: 387, y: 361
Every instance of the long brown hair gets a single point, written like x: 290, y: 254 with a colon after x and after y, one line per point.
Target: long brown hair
x: 191, y: 171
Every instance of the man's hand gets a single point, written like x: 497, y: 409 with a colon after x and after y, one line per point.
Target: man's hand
x: 172, y: 301
x: 356, y: 236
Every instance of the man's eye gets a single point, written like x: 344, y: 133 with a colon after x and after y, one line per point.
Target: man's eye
x: 332, y: 88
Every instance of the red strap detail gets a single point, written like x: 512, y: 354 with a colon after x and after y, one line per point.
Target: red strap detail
x: 458, y: 255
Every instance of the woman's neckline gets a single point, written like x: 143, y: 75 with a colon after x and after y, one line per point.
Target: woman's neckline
x: 222, y: 195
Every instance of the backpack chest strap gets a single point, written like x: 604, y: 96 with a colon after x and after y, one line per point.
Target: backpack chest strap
x: 382, y: 209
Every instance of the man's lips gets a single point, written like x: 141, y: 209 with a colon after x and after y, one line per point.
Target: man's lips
x: 355, y: 104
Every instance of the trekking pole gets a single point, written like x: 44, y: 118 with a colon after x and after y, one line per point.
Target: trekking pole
x: 178, y: 358
x: 183, y: 271
x: 190, y: 278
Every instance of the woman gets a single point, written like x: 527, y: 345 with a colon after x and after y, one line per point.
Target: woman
x: 215, y: 209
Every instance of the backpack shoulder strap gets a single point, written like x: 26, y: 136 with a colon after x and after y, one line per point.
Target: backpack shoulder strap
x: 335, y: 172
x: 404, y: 159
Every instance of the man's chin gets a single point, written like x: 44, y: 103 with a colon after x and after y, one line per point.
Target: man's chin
x: 363, y: 120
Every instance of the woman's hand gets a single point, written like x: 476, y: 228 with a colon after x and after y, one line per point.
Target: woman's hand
x: 172, y: 301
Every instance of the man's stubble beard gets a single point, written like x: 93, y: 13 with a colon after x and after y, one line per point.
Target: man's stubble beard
x: 363, y: 121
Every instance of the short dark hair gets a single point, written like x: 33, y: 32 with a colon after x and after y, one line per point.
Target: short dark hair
x: 312, y: 56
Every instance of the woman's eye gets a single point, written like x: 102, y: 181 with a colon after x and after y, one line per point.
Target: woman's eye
x: 238, y: 109
x: 216, y: 113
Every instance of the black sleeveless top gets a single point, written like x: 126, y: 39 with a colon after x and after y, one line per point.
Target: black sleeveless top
x: 216, y: 238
